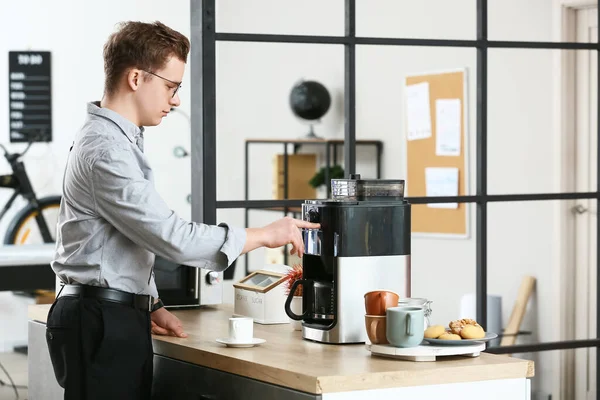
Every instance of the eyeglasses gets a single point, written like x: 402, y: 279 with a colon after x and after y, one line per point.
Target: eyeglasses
x: 168, y: 80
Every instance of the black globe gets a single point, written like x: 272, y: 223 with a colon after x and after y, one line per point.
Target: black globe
x: 310, y: 100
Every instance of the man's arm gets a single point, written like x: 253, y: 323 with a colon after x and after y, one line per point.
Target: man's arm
x: 131, y: 204
x: 279, y: 233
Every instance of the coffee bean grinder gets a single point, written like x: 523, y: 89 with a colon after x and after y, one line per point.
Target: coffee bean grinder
x: 363, y: 245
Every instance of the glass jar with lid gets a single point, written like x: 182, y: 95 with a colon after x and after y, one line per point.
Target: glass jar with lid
x: 419, y: 302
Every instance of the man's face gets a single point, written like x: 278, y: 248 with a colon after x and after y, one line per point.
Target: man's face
x: 154, y: 97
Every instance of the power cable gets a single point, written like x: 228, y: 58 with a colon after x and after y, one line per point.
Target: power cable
x: 12, y: 383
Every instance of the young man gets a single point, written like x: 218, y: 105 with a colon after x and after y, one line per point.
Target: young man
x: 112, y: 222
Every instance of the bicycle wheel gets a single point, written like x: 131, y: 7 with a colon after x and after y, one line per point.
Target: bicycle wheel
x: 24, y: 230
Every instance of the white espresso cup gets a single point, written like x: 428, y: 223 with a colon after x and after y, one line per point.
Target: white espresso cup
x: 241, y: 329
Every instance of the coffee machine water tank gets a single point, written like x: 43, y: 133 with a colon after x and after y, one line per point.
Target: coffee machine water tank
x: 363, y: 245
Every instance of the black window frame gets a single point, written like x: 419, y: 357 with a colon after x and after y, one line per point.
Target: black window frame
x: 203, y: 124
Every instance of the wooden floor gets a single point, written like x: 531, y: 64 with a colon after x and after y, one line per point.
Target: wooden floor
x: 16, y: 365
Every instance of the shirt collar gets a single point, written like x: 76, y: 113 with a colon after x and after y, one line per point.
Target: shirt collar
x: 131, y: 130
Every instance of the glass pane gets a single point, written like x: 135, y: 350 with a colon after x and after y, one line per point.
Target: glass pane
x: 443, y: 271
x: 254, y: 83
x: 528, y: 106
x: 415, y: 19
x: 167, y: 148
x: 534, y: 20
x: 523, y: 242
x: 311, y: 17
x: 382, y: 110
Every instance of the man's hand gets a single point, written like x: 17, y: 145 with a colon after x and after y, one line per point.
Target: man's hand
x: 279, y: 233
x: 165, y: 323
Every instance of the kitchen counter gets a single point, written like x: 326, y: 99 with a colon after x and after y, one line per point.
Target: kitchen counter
x: 287, y: 361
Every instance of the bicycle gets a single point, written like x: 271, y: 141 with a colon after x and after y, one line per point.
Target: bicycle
x: 35, y: 223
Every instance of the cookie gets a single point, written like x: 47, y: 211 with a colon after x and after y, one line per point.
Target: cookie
x: 457, y: 326
x: 434, y: 331
x: 449, y: 336
x: 472, y: 332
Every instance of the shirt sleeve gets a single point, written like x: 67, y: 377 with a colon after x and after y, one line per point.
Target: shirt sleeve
x: 129, y: 202
x: 153, y: 290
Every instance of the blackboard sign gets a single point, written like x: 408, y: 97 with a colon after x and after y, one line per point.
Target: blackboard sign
x: 29, y: 96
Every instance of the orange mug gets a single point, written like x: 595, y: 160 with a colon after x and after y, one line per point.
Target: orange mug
x: 376, y: 328
x: 377, y: 301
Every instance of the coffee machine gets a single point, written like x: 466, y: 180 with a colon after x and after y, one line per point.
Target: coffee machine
x: 363, y: 244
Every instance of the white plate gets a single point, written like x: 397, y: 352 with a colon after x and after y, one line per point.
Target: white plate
x: 464, y: 342
x: 252, y: 343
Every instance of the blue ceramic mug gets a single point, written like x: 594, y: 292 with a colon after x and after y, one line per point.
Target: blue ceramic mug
x: 405, y: 326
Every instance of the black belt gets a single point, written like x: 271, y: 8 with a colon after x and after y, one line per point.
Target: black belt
x: 141, y: 301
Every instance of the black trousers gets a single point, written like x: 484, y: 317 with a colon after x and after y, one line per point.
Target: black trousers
x: 100, y: 349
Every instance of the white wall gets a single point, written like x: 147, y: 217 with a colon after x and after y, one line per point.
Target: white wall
x: 253, y: 83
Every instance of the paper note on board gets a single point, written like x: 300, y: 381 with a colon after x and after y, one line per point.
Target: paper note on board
x: 418, y: 116
x: 441, y: 182
x: 447, y: 127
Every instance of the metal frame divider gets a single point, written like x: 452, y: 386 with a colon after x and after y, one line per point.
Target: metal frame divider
x: 203, y: 125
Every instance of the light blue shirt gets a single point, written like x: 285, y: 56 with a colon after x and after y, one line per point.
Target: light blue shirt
x: 112, y: 221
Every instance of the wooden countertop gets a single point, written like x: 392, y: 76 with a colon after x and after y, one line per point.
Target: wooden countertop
x: 287, y: 360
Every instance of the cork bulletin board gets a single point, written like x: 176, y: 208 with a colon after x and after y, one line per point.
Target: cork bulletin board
x: 421, y: 155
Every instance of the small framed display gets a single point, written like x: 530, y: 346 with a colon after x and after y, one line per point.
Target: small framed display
x: 261, y: 296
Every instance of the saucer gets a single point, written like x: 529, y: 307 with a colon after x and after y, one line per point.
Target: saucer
x: 230, y: 343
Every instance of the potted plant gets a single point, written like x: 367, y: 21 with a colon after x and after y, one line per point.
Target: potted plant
x: 335, y: 172
x: 294, y: 274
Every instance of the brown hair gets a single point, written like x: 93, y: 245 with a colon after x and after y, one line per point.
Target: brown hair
x: 146, y: 46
